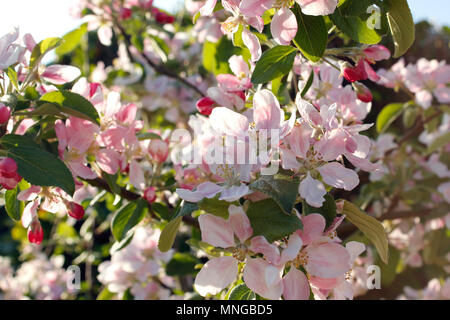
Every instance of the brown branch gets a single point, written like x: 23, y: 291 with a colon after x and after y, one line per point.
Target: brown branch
x: 160, y: 68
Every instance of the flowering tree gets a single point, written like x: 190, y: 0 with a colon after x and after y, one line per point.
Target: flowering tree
x: 228, y: 152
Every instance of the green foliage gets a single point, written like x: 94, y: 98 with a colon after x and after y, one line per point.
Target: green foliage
x: 14, y: 207
x: 388, y: 115
x: 71, y: 40
x: 216, y: 55
x: 36, y: 165
x: 41, y: 49
x: 73, y: 104
x: 168, y: 235
x: 282, y: 190
x: 354, y: 27
x: 128, y: 217
x: 370, y: 227
x: 274, y: 63
x: 268, y: 220
x: 241, y: 292
x: 401, y: 25
x: 328, y: 209
x: 312, y: 35
x: 182, y: 264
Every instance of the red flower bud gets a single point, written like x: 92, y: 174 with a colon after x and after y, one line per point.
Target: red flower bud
x: 35, y: 232
x: 75, y: 210
x: 125, y: 13
x: 356, y: 73
x: 362, y: 92
x: 205, y: 105
x: 150, y: 194
x: 5, y: 113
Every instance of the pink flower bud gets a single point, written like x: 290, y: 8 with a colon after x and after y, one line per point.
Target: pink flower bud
x: 150, y: 194
x: 125, y: 13
x: 362, y: 92
x: 159, y: 150
x: 376, y: 53
x: 5, y: 113
x: 75, y: 210
x: 205, y: 106
x: 8, y: 168
x: 35, y: 232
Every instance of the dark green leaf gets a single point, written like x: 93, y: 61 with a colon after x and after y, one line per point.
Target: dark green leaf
x: 36, y: 165
x: 328, y: 209
x: 282, y: 191
x: 73, y: 104
x: 128, y: 217
x: 274, y: 63
x: 268, y: 220
x: 182, y: 264
x: 215, y: 206
x: 312, y: 35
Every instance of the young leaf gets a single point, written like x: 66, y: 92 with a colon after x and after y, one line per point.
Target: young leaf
x: 73, y: 104
x: 282, y: 191
x: 371, y: 228
x: 14, y: 207
x: 127, y: 217
x: 41, y: 49
x: 401, y: 25
x: 388, y: 115
x: 312, y: 35
x: 268, y: 220
x: 168, y: 235
x: 274, y: 63
x: 72, y: 40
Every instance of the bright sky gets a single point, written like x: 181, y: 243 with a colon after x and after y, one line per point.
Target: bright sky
x: 50, y: 18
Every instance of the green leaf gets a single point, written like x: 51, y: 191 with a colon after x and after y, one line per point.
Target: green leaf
x: 73, y: 104
x: 308, y: 84
x: 148, y: 135
x: 185, y: 208
x: 312, y: 35
x: 371, y: 228
x: 36, y: 165
x: 274, y: 63
x: 71, y: 40
x: 14, y: 207
x: 401, y: 25
x: 439, y: 142
x: 41, y: 49
x: 216, y: 55
x: 162, y: 210
x: 355, y: 28
x: 268, y: 220
x: 388, y: 115
x: 215, y: 207
x: 241, y: 292
x: 182, y: 264
x: 105, y: 294
x: 127, y: 217
x: 12, y: 75
x: 282, y: 191
x: 168, y: 235
x: 328, y: 209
